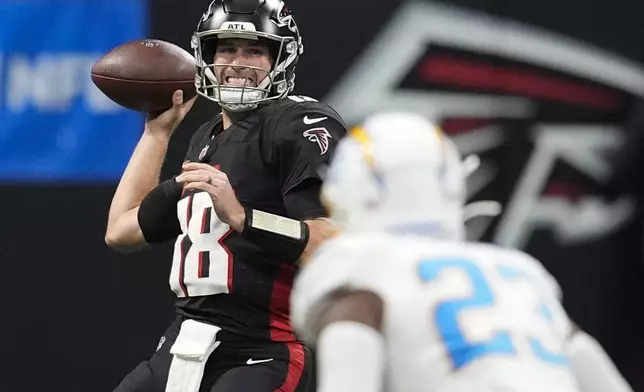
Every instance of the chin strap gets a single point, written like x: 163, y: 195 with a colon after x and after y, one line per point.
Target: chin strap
x: 221, y: 90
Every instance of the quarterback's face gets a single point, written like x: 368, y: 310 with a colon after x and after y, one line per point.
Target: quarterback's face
x: 238, y: 55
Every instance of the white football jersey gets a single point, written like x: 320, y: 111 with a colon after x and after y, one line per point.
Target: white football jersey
x: 458, y: 316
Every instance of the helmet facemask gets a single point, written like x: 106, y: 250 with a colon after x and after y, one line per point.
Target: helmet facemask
x: 277, y: 83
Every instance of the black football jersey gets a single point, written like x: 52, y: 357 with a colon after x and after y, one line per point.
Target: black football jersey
x: 273, y: 159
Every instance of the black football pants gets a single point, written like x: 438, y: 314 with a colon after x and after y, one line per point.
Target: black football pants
x: 265, y: 367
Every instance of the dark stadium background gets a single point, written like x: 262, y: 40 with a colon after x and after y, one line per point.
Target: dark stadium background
x: 77, y: 316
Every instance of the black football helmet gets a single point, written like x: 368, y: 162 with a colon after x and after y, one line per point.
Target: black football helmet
x: 266, y: 20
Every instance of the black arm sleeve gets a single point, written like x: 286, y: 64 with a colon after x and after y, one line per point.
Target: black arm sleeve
x: 158, y: 213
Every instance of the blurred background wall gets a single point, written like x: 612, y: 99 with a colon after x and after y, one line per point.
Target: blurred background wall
x: 545, y: 91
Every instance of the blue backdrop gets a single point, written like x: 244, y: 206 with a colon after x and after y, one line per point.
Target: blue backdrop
x: 55, y: 125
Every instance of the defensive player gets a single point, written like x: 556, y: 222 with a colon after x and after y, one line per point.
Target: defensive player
x: 243, y: 212
x: 399, y: 302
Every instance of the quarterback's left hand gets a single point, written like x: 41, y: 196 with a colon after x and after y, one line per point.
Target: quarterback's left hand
x: 215, y: 182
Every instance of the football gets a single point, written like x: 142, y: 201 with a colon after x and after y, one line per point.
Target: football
x: 142, y: 75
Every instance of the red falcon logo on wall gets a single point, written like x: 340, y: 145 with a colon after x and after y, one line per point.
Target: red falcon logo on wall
x: 505, y: 90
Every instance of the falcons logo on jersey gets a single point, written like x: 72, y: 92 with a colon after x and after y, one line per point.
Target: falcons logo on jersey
x: 320, y: 136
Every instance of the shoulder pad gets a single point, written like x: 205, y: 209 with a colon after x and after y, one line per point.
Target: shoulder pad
x: 300, y: 106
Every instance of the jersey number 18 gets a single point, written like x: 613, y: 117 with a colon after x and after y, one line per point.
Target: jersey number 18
x: 201, y: 265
